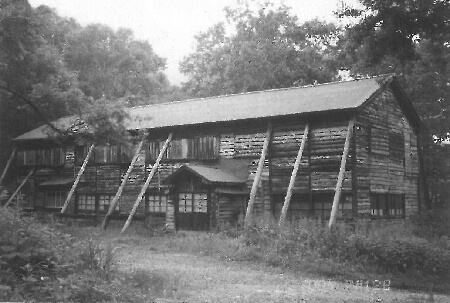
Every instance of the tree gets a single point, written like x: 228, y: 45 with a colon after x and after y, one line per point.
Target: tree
x: 410, y: 38
x: 52, y: 67
x: 267, y: 50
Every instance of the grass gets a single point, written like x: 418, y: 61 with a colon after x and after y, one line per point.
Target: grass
x: 261, y: 263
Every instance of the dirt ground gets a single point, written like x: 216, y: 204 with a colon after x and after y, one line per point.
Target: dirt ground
x: 209, y: 279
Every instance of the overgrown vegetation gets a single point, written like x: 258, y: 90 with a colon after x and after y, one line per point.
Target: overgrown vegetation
x: 40, y: 262
x: 365, y: 252
x: 50, y: 262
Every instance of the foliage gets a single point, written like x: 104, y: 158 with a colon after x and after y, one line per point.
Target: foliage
x: 267, y: 49
x: 52, y: 66
x: 410, y: 38
x: 434, y: 224
x: 40, y: 262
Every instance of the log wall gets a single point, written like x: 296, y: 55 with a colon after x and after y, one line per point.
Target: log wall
x: 379, y: 168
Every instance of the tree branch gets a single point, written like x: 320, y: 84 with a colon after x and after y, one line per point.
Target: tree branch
x: 33, y: 106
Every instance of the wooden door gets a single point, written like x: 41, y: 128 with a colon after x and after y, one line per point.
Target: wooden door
x: 192, y: 211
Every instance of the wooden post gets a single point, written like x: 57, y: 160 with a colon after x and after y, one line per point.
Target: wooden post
x: 258, y: 175
x: 147, y: 183
x: 114, y: 202
x: 77, y: 179
x: 287, y: 199
x: 7, y: 165
x: 19, y: 188
x: 337, y: 191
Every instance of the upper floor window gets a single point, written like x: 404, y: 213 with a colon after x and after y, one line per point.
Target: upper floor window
x: 44, y: 157
x: 396, y: 146
x: 200, y: 148
x: 102, y: 154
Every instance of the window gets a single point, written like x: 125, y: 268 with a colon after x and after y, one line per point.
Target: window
x: 102, y: 154
x: 86, y: 202
x: 201, y: 148
x: 387, y: 205
x: 106, y: 154
x: 104, y: 201
x: 364, y: 136
x: 45, y: 157
x: 193, y: 202
x: 298, y: 206
x: 26, y: 157
x: 396, y: 146
x: 200, y: 203
x: 185, y: 203
x: 157, y: 203
x: 323, y: 203
x: 55, y: 199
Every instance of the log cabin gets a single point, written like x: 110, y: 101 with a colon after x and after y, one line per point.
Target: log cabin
x: 226, y: 152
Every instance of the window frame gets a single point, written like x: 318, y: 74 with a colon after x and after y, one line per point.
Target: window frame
x: 62, y: 195
x: 206, y: 147
x: 98, y: 205
x: 161, y: 200
x: 388, y: 204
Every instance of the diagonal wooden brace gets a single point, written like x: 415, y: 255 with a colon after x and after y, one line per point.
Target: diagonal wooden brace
x: 114, y: 202
x: 8, y: 164
x: 147, y: 183
x: 287, y: 199
x: 19, y: 188
x: 75, y: 184
x: 337, y: 191
x: 257, y: 179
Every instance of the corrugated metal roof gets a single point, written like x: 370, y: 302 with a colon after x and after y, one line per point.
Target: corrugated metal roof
x: 208, y: 174
x: 280, y: 102
x: 271, y: 103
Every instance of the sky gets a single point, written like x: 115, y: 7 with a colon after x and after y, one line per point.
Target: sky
x: 170, y: 25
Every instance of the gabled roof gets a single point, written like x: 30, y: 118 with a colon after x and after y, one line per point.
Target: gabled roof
x: 270, y: 103
x: 263, y: 104
x: 209, y: 175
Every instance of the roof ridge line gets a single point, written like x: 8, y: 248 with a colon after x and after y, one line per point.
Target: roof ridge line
x: 253, y: 92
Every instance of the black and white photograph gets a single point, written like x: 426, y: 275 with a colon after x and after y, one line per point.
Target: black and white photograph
x: 225, y: 151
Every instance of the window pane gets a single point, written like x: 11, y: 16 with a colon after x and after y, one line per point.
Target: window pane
x: 86, y: 202
x: 200, y: 203
x: 185, y: 203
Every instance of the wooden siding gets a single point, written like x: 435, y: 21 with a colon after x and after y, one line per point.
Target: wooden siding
x: 379, y: 162
x: 387, y: 155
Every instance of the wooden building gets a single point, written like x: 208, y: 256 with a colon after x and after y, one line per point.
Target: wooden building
x: 208, y: 170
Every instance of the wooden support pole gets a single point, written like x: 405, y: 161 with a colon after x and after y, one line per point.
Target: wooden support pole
x: 7, y: 165
x: 147, y: 183
x: 77, y: 179
x: 257, y: 179
x: 114, y: 202
x: 19, y: 188
x: 337, y: 191
x: 287, y: 199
